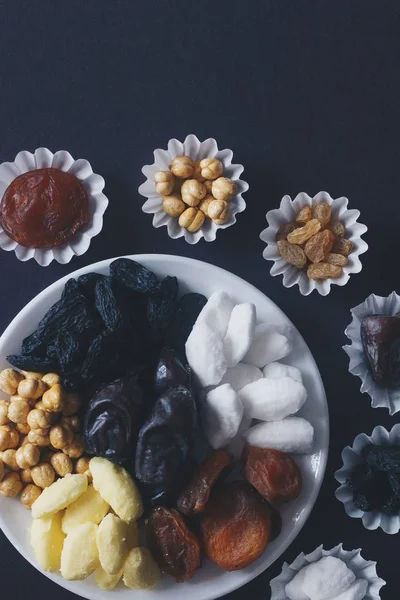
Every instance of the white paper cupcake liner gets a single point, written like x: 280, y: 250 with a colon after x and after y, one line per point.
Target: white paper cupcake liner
x: 197, y: 151
x: 373, y: 305
x: 351, y: 457
x: 362, y: 569
x: 93, y: 184
x: 287, y: 212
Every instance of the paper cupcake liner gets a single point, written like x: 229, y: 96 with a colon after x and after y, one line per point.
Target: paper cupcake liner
x: 362, y: 569
x: 286, y: 213
x: 351, y: 457
x: 197, y: 151
x: 373, y: 305
x: 93, y: 184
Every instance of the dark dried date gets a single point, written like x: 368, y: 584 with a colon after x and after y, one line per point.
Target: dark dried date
x: 161, y: 304
x: 134, y: 276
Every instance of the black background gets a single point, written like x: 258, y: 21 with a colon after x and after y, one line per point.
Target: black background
x: 307, y: 95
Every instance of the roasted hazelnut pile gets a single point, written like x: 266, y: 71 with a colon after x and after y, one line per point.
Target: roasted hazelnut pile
x: 39, y: 434
x: 315, y: 242
x: 195, y: 190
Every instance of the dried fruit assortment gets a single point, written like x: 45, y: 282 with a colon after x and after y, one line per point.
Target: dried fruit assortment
x: 315, y: 241
x: 193, y: 191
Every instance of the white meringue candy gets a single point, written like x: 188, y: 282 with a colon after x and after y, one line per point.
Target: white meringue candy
x: 205, y: 355
x: 272, y: 399
x: 277, y: 370
x: 240, y: 375
x: 240, y: 333
x: 357, y: 591
x: 223, y: 412
x: 269, y: 345
x: 293, y: 435
x: 216, y: 313
x: 327, y: 578
x: 294, y: 589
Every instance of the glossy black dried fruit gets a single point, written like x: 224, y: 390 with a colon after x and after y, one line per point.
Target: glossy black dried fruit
x: 161, y: 304
x: 107, y: 304
x: 185, y: 315
x: 380, y: 337
x: 133, y: 275
x: 70, y: 288
x: 29, y: 362
x: 106, y: 357
x: 113, y: 419
x: 371, y: 489
x: 170, y: 372
x: 382, y: 458
x: 87, y: 283
x: 65, y: 349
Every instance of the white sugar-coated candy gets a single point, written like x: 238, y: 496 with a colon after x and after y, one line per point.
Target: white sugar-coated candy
x: 217, y: 312
x: 236, y: 445
x: 294, y: 589
x: 240, y: 333
x: 272, y: 399
x: 277, y: 370
x: 241, y: 375
x: 223, y: 412
x: 205, y: 355
x: 327, y: 578
x: 269, y: 345
x: 293, y: 435
x: 357, y: 591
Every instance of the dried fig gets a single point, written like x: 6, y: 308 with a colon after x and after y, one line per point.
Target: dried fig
x: 294, y: 255
x: 274, y: 474
x: 322, y: 212
x: 236, y: 527
x: 196, y: 494
x: 318, y: 246
x: 285, y: 229
x: 174, y: 547
x: 301, y: 235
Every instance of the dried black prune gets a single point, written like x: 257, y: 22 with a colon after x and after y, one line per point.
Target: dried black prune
x: 102, y: 357
x: 133, y: 275
x: 371, y: 489
x: 87, y: 284
x: 107, y: 304
x: 380, y: 337
x: 185, y: 315
x: 382, y: 458
x: 65, y: 349
x: 161, y: 304
x: 29, y: 362
x: 70, y: 288
x: 170, y: 372
x: 113, y: 418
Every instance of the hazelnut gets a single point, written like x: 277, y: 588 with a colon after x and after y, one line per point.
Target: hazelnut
x: 51, y: 379
x: 182, y: 167
x: 31, y: 388
x: 205, y: 203
x: 192, y: 219
x: 39, y: 437
x: 4, y: 412
x: 61, y: 436
x: 22, y: 428
x: 43, y: 475
x: 18, y: 411
x: 61, y: 463
x: 27, y: 456
x: 24, y: 440
x: 211, y: 168
x: 72, y: 404
x: 32, y: 375
x: 218, y: 211
x: 30, y: 401
x: 40, y: 419
x: 11, y: 485
x: 208, y: 185
x: 74, y: 422
x: 9, y: 459
x: 173, y: 205
x: 9, y: 381
x: 197, y: 172
x: 223, y: 189
x: 29, y: 494
x: 192, y: 192
x: 9, y: 438
x: 165, y: 182
x: 82, y: 467
x: 2, y: 470
x: 26, y: 476
x: 39, y: 405
x: 54, y: 399
x: 76, y: 448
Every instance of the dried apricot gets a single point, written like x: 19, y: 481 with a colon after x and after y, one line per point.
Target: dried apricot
x: 337, y: 259
x: 195, y: 496
x: 343, y: 246
x: 236, y: 527
x: 322, y: 212
x: 173, y: 545
x: 324, y: 270
x: 337, y: 228
x: 285, y: 229
x: 301, y: 235
x: 304, y: 215
x: 274, y: 474
x: 318, y: 246
x: 294, y: 255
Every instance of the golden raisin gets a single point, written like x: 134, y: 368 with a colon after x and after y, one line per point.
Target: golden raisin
x: 337, y: 259
x: 301, y: 235
x: 318, y: 246
x: 292, y: 254
x: 285, y: 229
x: 322, y: 212
x: 324, y: 270
x: 343, y: 246
x: 337, y: 228
x: 304, y: 215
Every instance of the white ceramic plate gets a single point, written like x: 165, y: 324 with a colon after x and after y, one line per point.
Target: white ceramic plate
x: 209, y: 582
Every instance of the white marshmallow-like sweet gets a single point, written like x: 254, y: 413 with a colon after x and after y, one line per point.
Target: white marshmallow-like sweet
x: 236, y: 445
x: 357, y: 591
x: 269, y: 345
x: 294, y: 589
x: 277, y: 370
x: 327, y: 578
x: 223, y: 412
x: 293, y: 435
x: 241, y: 375
x: 240, y: 333
x: 216, y: 313
x: 272, y: 399
x: 205, y: 355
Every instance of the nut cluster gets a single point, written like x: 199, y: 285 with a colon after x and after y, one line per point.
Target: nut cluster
x: 39, y: 434
x: 195, y: 190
